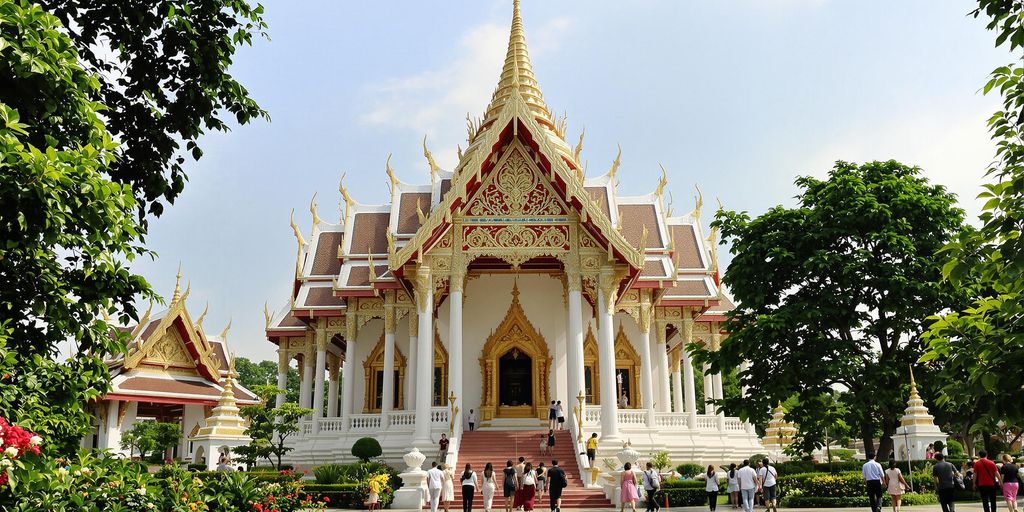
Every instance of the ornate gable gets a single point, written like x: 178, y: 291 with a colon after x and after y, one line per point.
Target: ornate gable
x: 167, y: 351
x: 516, y: 190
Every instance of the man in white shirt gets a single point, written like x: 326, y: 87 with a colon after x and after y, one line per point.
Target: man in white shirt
x: 472, y: 420
x: 652, y: 482
x: 435, y: 478
x: 749, y: 482
x: 872, y: 472
x: 766, y: 474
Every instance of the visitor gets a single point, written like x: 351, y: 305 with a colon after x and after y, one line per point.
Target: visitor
x: 711, y: 487
x: 929, y: 452
x: 448, y: 492
x: 435, y: 481
x: 552, y: 415
x: 734, y: 487
x: 627, y: 488
x: 652, y: 483
x: 551, y: 442
x: 529, y: 487
x: 520, y: 469
x: 944, y: 475
x: 509, y: 484
x: 623, y: 401
x: 542, y: 481
x: 561, y: 415
x: 968, y: 472
x: 556, y: 483
x: 543, y: 444
x: 472, y: 420
x: 766, y: 474
x: 468, y: 481
x: 873, y: 474
x: 442, y: 449
x: 895, y: 485
x: 747, y: 478
x: 489, y: 486
x: 985, y: 480
x: 224, y: 465
x: 1009, y: 478
x: 592, y: 449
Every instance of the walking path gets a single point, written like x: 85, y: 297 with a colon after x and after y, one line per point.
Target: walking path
x: 960, y: 507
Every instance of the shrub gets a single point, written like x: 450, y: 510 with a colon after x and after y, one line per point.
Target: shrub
x: 678, y: 483
x: 684, y: 497
x: 823, y: 484
x: 328, y: 473
x: 852, y: 501
x: 660, y: 460
x: 366, y: 448
x: 347, y: 496
x: 955, y: 449
x: 842, y: 454
x: 689, y: 469
x: 795, y: 467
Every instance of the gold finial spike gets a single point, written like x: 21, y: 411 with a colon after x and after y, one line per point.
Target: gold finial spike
x: 698, y: 204
x: 177, y: 286
x: 344, y: 195
x: 419, y: 213
x: 671, y: 201
x: 297, y: 231
x: 188, y: 289
x: 202, y: 316
x: 517, y: 74
x: 224, y: 333
x: 720, y: 205
x: 616, y: 163
x: 458, y: 151
x: 392, y: 180
x: 434, y: 168
x: 515, y: 290
x: 266, y: 316
x: 579, y: 146
x: 312, y: 209
x: 913, y: 385
x: 143, y: 320
x: 371, y: 268
x: 662, y: 182
x: 643, y: 238
x: 391, y: 241
x: 231, y: 368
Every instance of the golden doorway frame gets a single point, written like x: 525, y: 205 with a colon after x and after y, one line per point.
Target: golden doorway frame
x: 515, y: 332
x: 626, y: 358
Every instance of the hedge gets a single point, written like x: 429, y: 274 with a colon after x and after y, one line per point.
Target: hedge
x: 348, y: 496
x: 795, y: 467
x: 853, y: 501
x: 683, y: 497
x: 259, y: 476
x: 678, y: 483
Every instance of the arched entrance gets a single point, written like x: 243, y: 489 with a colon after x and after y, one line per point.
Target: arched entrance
x: 515, y: 365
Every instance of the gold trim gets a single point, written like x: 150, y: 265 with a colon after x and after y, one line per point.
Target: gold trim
x: 626, y: 358
x: 375, y: 363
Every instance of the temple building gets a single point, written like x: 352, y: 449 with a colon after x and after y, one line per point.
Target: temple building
x: 173, y: 372
x: 506, y: 283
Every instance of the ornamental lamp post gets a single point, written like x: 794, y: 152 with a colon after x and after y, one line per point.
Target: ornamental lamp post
x: 454, y: 412
x: 579, y: 416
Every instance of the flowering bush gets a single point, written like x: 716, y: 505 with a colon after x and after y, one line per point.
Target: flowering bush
x: 15, y: 442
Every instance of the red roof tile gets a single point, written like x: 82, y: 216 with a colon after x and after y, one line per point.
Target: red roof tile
x: 688, y: 288
x: 687, y: 250
x: 322, y: 296
x: 325, y: 261
x: 600, y: 194
x: 360, y: 275
x: 368, y: 231
x: 634, y: 218
x: 408, y: 220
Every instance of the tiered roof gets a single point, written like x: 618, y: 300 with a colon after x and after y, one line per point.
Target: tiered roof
x: 170, y: 359
x: 367, y: 250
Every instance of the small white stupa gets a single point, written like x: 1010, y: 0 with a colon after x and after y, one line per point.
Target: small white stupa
x: 224, y: 429
x: 917, y: 428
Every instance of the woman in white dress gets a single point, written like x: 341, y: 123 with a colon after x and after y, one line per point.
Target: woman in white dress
x: 489, y: 486
x: 447, y: 487
x: 734, y: 487
x: 895, y: 485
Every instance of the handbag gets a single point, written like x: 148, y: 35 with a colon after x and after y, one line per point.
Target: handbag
x: 958, y: 480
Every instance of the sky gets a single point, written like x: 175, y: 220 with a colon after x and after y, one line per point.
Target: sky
x: 737, y: 97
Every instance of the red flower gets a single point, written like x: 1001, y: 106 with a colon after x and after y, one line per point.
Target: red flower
x: 326, y: 499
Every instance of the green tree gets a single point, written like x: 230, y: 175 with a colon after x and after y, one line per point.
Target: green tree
x: 150, y: 437
x: 168, y: 82
x: 67, y: 231
x: 834, y: 293
x: 270, y: 428
x: 264, y: 373
x: 980, y: 346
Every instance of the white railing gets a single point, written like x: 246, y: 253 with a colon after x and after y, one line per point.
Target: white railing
x: 734, y: 425
x: 707, y: 422
x: 592, y: 414
x: 401, y: 420
x: 673, y: 420
x: 331, y: 425
x: 632, y: 416
x: 439, y: 415
x: 364, y: 422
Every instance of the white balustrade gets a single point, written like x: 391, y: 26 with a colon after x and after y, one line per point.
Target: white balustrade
x: 592, y: 414
x: 734, y: 425
x: 364, y: 422
x: 402, y: 420
x: 673, y: 420
x: 439, y: 415
x: 707, y: 422
x: 632, y: 416
x: 331, y: 425
x: 306, y: 427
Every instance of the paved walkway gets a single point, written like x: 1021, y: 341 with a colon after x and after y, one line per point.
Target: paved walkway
x: 960, y: 507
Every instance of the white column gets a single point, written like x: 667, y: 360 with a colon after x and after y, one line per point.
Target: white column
x: 646, y: 366
x: 455, y: 347
x: 306, y: 393
x: 387, y: 400
x: 112, y: 437
x: 332, y: 386
x: 410, y: 369
x: 321, y: 367
x: 282, y: 377
x: 574, y: 353
x: 661, y: 357
x: 689, y: 386
x: 709, y: 388
x: 424, y: 362
x: 348, y: 371
x: 677, y: 387
x: 606, y: 352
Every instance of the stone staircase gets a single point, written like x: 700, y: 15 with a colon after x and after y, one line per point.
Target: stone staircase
x: 497, y: 446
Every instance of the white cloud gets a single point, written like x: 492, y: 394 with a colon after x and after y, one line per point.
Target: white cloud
x: 435, y: 102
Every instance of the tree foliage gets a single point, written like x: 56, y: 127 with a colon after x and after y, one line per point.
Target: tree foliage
x: 167, y: 81
x: 150, y: 437
x: 251, y: 374
x: 269, y: 427
x: 834, y: 293
x: 67, y: 231
x: 982, y: 345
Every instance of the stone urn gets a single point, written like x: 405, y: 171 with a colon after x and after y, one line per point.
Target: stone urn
x: 414, y: 459
x: 627, y: 454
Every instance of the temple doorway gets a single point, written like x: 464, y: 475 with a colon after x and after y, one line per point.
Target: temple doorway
x: 515, y: 389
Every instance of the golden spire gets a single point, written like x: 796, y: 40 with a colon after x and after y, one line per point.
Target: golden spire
x: 517, y: 74
x: 914, y: 396
x: 177, y: 286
